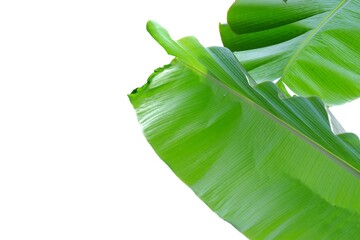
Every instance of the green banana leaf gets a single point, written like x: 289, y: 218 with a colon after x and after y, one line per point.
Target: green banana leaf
x: 313, y: 46
x: 268, y: 164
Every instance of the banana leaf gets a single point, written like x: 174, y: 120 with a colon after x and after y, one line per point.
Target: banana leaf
x: 268, y: 164
x: 313, y: 46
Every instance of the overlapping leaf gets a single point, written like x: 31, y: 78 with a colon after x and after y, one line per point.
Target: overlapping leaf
x: 313, y: 46
x: 269, y: 165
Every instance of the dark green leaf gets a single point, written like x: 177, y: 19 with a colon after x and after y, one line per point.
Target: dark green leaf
x: 313, y: 46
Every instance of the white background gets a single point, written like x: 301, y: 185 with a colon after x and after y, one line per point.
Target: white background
x: 73, y: 161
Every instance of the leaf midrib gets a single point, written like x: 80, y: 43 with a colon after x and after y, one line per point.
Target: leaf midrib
x: 328, y: 17
x: 351, y: 169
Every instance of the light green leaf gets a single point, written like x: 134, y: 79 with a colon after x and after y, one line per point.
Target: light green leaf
x: 270, y: 166
x: 312, y: 45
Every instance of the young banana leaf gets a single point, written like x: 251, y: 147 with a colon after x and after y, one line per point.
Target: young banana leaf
x: 313, y: 46
x: 268, y: 164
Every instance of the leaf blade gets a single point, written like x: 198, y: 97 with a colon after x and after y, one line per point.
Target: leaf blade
x: 237, y: 147
x: 321, y: 61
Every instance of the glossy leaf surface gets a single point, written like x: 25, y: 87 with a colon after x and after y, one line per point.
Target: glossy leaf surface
x: 313, y: 46
x: 270, y: 166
